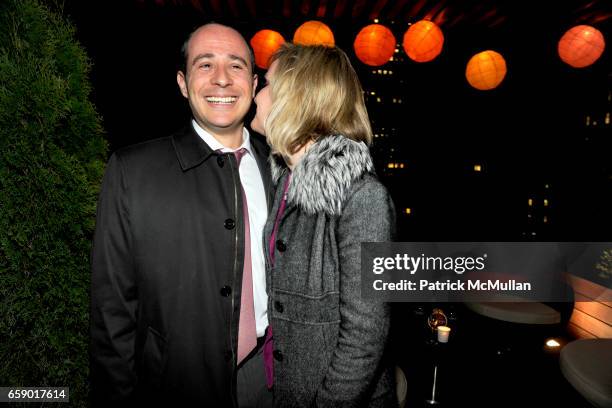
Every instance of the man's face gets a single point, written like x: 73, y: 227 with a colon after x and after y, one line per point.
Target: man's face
x: 219, y: 83
x: 263, y: 100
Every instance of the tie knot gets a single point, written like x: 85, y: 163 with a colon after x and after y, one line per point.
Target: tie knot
x: 239, y: 154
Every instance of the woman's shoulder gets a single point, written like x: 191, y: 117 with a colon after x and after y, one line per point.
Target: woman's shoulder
x: 368, y: 190
x: 326, y: 175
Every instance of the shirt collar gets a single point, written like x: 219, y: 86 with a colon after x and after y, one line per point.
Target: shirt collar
x: 215, y: 145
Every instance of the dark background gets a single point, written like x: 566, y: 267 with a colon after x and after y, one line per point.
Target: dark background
x: 530, y: 135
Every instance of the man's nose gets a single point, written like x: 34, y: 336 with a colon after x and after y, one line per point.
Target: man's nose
x: 222, y: 77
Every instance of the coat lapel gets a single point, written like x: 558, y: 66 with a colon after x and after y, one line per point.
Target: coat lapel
x: 261, y: 156
x: 190, y: 149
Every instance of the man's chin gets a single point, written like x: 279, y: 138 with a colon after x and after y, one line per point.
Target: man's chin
x: 222, y: 128
x: 225, y: 122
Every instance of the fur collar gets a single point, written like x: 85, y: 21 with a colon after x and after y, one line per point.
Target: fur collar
x: 322, y: 180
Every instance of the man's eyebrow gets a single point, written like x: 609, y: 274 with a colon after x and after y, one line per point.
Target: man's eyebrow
x: 211, y: 55
x: 239, y: 58
x: 202, y: 56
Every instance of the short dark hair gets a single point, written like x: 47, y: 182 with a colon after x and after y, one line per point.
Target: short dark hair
x: 185, y: 47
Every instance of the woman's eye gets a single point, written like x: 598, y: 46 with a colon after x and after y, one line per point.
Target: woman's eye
x: 237, y: 67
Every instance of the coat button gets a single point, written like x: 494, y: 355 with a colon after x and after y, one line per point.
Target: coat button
x: 227, y: 355
x: 278, y: 306
x: 226, y: 291
x: 220, y: 160
x: 229, y: 224
x: 278, y: 356
x: 281, y: 246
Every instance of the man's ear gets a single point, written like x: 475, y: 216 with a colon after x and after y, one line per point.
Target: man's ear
x: 254, y: 85
x: 182, y: 83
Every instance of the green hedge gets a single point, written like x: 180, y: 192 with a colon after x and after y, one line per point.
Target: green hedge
x: 52, y: 154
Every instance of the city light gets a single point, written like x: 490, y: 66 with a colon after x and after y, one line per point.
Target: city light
x: 552, y: 343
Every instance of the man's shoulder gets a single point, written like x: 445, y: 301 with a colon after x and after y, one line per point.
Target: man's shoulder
x: 150, y: 149
x: 145, y: 148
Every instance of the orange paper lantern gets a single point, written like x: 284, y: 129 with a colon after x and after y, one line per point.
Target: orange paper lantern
x: 486, y: 70
x: 265, y: 43
x: 581, y: 46
x: 314, y: 33
x: 374, y: 45
x: 423, y: 41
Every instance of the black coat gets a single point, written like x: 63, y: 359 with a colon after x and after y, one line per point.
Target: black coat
x: 166, y: 274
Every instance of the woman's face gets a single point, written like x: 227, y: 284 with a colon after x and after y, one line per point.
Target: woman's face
x: 263, y: 100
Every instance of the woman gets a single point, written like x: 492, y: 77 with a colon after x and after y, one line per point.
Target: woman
x: 328, y: 342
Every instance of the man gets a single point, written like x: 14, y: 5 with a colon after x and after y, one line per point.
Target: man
x: 178, y: 284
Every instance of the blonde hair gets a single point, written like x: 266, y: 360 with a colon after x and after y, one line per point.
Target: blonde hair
x: 315, y: 93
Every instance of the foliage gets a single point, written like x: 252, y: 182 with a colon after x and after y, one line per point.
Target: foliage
x: 52, y: 155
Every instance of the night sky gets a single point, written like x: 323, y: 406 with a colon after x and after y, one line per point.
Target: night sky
x: 529, y: 134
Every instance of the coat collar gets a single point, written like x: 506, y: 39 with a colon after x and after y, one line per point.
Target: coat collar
x: 322, y: 179
x: 190, y: 149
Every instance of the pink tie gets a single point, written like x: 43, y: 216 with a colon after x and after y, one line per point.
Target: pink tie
x: 247, y: 333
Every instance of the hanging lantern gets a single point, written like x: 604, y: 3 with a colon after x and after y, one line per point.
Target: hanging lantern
x: 265, y: 43
x: 423, y: 41
x: 486, y: 70
x: 581, y: 46
x: 314, y: 33
x: 374, y: 45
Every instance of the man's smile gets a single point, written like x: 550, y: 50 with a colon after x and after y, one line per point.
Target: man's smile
x: 221, y: 100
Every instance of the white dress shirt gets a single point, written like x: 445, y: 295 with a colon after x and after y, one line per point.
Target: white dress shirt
x: 252, y: 184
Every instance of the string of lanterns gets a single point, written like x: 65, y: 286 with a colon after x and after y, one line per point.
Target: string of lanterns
x: 581, y: 46
x: 374, y: 45
x: 423, y: 41
x: 486, y: 70
x: 314, y: 33
x: 264, y: 44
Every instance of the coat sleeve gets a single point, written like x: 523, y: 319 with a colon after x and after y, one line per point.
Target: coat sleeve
x: 114, y: 299
x: 368, y: 216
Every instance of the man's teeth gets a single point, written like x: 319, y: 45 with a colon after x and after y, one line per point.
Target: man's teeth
x: 217, y: 99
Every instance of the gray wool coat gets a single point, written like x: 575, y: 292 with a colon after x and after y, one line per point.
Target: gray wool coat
x: 329, y: 343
